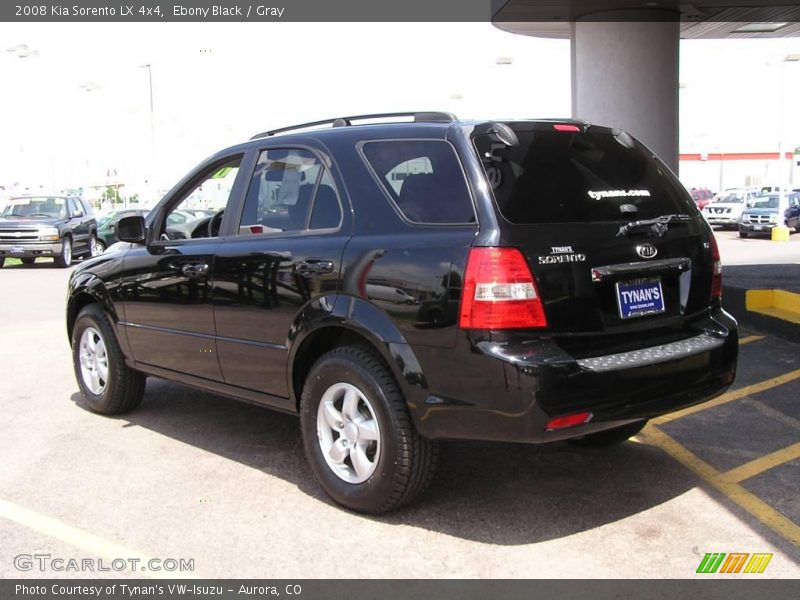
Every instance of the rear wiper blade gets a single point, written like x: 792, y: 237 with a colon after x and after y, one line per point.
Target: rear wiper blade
x: 658, y: 226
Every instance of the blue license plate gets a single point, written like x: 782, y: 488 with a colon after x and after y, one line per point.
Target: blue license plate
x: 17, y: 249
x: 639, y: 298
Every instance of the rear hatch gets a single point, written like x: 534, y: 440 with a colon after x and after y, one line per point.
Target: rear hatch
x: 615, y: 243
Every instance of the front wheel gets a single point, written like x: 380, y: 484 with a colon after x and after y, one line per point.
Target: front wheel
x: 64, y: 258
x: 28, y: 261
x: 358, y: 434
x: 743, y: 234
x: 108, y: 384
x: 609, y: 437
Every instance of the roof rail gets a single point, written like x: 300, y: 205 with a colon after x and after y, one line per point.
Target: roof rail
x: 419, y: 117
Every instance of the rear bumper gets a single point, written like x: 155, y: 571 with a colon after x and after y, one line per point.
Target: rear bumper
x: 541, y: 381
x: 29, y: 249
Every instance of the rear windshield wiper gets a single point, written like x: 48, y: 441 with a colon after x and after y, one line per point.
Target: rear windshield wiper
x: 658, y: 226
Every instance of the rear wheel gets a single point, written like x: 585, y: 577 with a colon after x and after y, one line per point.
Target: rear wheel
x: 92, y: 249
x: 64, y: 258
x: 610, y: 436
x: 28, y: 261
x: 108, y: 384
x: 2, y: 261
x: 358, y: 434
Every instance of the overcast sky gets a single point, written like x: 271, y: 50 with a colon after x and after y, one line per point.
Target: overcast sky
x: 80, y: 107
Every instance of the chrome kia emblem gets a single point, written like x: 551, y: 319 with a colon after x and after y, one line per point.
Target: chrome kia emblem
x: 646, y: 250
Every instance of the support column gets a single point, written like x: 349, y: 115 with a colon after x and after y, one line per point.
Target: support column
x: 625, y: 74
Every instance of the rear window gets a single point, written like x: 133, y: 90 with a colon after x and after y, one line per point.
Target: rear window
x: 423, y: 178
x: 554, y: 176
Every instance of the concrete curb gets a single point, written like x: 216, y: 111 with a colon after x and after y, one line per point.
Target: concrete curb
x: 765, y: 319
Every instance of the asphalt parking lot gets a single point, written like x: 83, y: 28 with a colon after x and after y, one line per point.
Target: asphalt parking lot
x: 193, y: 476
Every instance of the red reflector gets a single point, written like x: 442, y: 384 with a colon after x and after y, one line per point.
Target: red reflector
x: 565, y: 127
x: 716, y: 265
x: 568, y: 421
x: 256, y: 229
x: 499, y: 292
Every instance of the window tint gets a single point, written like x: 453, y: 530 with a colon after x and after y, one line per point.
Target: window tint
x: 74, y: 207
x: 555, y: 176
x: 326, y: 212
x: 287, y: 186
x: 423, y: 178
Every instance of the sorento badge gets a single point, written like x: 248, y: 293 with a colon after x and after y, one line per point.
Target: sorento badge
x: 646, y: 250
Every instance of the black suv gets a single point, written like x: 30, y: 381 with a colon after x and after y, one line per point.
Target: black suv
x: 395, y: 284
x: 34, y: 227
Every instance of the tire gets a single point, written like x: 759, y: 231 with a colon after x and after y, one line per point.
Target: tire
x: 610, y: 436
x: 101, y: 246
x: 120, y: 388
x: 64, y: 259
x: 28, y: 261
x: 2, y: 261
x: 396, y: 462
x: 743, y: 234
x: 91, y: 248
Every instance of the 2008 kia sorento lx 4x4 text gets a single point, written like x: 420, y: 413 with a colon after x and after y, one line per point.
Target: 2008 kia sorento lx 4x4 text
x: 395, y: 284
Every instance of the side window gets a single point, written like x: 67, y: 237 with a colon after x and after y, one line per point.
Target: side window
x: 423, y: 178
x: 75, y: 209
x: 326, y: 212
x: 87, y: 207
x: 210, y: 195
x: 290, y: 191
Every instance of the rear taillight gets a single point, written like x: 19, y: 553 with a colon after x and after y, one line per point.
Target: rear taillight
x: 499, y: 291
x: 716, y: 266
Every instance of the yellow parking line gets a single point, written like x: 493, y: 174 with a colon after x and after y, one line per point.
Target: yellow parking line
x: 730, y: 396
x: 79, y: 538
x: 751, y: 338
x: 763, y: 463
x: 733, y: 491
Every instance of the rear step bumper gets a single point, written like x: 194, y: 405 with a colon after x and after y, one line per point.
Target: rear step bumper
x: 543, y: 381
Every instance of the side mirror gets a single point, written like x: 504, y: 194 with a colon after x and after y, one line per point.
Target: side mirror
x: 131, y: 229
x: 77, y: 214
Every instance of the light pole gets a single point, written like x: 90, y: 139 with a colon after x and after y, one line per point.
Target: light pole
x: 151, y: 159
x: 780, y: 232
x: 789, y: 58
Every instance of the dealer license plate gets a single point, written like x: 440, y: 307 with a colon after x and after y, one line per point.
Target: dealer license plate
x: 639, y: 298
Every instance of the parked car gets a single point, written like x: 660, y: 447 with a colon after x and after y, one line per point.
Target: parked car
x: 34, y: 227
x: 107, y: 226
x: 764, y: 213
x: 701, y: 196
x: 727, y: 207
x: 585, y: 286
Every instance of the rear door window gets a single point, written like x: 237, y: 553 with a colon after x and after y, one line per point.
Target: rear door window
x: 423, y: 179
x: 558, y: 176
x: 291, y: 190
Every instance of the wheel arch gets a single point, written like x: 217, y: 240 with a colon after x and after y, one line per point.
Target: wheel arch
x: 87, y: 289
x: 354, y: 321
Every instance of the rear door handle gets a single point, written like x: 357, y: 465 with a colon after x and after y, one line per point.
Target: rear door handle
x: 195, y: 271
x: 314, y: 267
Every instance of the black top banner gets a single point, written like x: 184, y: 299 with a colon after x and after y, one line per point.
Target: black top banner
x: 553, y: 11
